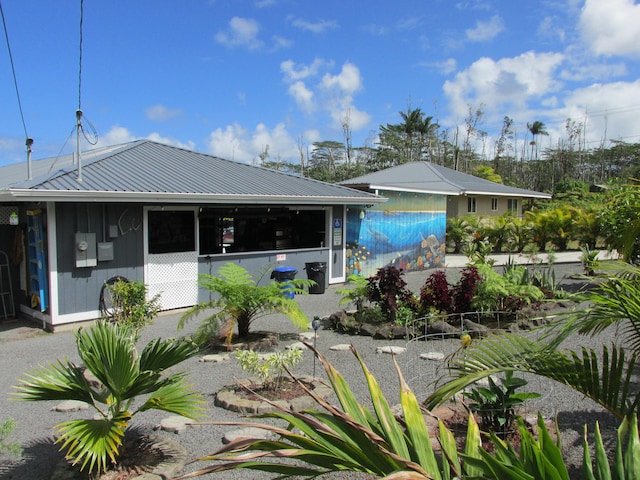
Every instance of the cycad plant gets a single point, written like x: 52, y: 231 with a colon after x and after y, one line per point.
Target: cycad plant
x: 239, y: 299
x: 109, y: 353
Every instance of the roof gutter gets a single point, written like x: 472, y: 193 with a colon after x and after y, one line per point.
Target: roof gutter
x: 159, y: 197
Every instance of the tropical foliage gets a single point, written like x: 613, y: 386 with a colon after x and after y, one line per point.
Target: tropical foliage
x: 123, y: 375
x: 605, y: 376
x: 128, y: 305
x: 239, y: 300
x: 353, y: 438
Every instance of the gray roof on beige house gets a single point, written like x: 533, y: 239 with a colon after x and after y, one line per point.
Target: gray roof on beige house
x: 425, y: 177
x: 152, y: 172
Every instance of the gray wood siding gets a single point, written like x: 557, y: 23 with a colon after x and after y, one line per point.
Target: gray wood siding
x: 79, y: 288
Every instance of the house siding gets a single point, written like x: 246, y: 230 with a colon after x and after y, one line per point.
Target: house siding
x: 457, y: 206
x: 79, y: 287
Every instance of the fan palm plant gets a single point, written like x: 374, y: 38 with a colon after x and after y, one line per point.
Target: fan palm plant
x: 109, y: 353
x: 606, y: 377
x: 240, y: 299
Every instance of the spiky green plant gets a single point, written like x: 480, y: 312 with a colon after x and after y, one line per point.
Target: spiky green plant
x: 348, y: 438
x: 109, y: 353
x: 239, y: 300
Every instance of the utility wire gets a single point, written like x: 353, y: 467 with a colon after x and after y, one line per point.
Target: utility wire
x: 13, y: 70
x: 80, y: 62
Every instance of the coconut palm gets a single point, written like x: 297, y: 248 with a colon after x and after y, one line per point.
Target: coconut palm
x: 536, y: 129
x: 606, y: 377
x: 240, y: 299
x: 109, y: 353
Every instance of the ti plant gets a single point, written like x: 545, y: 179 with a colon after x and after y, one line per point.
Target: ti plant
x: 496, y: 404
x: 109, y: 353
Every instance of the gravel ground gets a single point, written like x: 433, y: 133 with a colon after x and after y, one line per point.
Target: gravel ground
x: 23, y: 347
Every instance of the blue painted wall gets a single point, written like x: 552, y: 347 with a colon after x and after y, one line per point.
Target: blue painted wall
x: 408, y: 232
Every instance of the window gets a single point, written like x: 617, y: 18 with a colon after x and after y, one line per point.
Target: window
x: 512, y: 205
x: 171, y: 231
x: 471, y: 205
x: 259, y: 229
x: 494, y: 204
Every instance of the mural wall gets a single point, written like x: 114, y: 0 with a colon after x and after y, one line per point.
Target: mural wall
x: 407, y: 231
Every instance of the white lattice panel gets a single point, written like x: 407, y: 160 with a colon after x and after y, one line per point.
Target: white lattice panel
x: 175, y: 277
x: 5, y: 213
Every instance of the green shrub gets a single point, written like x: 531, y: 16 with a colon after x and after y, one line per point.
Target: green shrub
x: 270, y: 369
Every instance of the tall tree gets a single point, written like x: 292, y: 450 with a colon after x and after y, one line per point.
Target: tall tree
x: 536, y: 129
x: 409, y: 141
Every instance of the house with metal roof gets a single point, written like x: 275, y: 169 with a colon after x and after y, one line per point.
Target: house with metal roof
x: 161, y: 215
x: 409, y: 230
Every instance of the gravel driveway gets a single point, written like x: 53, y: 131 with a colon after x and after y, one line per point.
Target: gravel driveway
x: 23, y: 346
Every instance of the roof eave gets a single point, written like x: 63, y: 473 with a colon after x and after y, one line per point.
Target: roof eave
x: 508, y: 194
x: 160, y: 197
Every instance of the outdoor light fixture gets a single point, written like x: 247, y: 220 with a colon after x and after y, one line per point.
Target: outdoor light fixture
x: 315, y: 324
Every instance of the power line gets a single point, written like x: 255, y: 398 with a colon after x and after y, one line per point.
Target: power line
x: 13, y: 70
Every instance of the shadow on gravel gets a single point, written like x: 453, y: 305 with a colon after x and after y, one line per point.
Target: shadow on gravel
x: 571, y: 425
x: 38, y: 461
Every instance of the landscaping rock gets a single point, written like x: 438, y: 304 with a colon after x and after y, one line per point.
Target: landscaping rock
x: 391, y: 349
x: 434, y: 356
x: 475, y: 329
x: 215, y: 358
x: 441, y: 327
x: 368, y: 330
x: 340, y: 347
x: 391, y: 332
x: 174, y: 424
x: 296, y: 346
x: 247, y: 432
x: 70, y: 406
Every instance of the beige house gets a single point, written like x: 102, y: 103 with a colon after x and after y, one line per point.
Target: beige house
x: 466, y: 194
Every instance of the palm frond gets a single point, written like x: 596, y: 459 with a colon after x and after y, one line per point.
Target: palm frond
x: 176, y: 397
x: 607, y: 382
x: 93, y: 442
x: 57, y: 381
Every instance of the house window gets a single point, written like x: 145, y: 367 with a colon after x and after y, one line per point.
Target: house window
x: 494, y: 204
x: 471, y: 205
x: 259, y: 229
x: 172, y: 231
x: 512, y: 205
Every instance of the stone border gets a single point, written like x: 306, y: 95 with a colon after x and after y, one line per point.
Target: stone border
x: 228, y: 399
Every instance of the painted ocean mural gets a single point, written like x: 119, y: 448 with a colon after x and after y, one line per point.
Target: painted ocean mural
x: 407, y: 232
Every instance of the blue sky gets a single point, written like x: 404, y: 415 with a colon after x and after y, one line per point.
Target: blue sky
x: 231, y: 77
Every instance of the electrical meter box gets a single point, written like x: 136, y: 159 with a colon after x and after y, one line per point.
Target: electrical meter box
x: 85, y: 248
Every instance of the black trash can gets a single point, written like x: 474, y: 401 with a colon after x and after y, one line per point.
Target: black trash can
x: 316, y: 272
x: 283, y: 274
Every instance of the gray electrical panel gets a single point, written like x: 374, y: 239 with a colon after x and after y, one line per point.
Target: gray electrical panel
x: 85, y: 248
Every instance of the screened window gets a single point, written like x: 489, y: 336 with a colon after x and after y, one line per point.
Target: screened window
x: 471, y: 205
x: 512, y: 205
x: 494, y: 204
x: 172, y: 231
x: 259, y: 229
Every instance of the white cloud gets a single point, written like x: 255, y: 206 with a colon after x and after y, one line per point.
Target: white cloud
x: 348, y: 80
x: 315, y: 27
x: 236, y: 143
x: 444, y: 67
x: 484, y: 31
x: 160, y: 113
x: 117, y: 135
x: 295, y: 71
x: 607, y: 110
x: 506, y: 82
x: 242, y: 32
x: 302, y: 95
x: 611, y: 27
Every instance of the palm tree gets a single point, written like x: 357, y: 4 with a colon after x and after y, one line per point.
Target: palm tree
x: 536, y: 129
x: 604, y: 377
x: 240, y: 300
x: 108, y: 351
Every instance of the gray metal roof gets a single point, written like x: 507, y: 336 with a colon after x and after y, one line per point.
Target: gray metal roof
x: 153, y: 172
x: 426, y: 177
